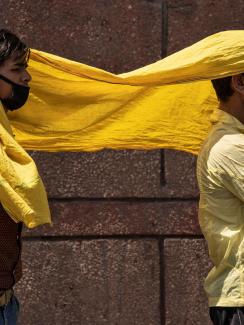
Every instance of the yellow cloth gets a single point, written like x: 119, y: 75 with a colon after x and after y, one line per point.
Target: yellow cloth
x: 74, y: 107
x: 22, y: 193
x: 167, y: 104
x: 220, y: 171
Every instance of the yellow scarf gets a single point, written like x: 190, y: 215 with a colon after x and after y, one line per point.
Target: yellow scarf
x: 74, y: 107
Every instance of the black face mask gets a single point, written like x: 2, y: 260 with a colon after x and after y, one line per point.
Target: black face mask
x: 19, y: 95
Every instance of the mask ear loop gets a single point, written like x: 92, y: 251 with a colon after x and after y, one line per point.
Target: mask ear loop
x: 10, y: 81
x: 7, y: 80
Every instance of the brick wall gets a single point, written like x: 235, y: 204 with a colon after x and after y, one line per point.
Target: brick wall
x: 125, y: 247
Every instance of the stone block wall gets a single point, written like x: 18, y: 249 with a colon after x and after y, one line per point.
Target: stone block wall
x: 125, y: 247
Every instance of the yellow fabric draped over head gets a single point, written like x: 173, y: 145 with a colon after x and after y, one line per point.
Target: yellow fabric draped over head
x: 75, y: 107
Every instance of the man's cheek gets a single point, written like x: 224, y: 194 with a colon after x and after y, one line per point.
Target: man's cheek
x: 6, y: 90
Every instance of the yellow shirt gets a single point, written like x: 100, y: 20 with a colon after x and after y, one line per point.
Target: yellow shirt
x: 220, y: 172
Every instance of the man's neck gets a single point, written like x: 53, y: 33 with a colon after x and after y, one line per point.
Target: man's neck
x: 234, y: 108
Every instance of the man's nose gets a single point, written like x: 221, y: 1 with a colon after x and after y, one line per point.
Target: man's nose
x: 26, y: 77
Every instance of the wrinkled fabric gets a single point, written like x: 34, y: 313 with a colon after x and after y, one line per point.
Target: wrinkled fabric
x: 220, y: 173
x: 22, y: 192
x: 74, y: 107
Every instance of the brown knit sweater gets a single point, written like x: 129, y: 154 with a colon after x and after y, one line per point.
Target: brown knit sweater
x: 10, y: 249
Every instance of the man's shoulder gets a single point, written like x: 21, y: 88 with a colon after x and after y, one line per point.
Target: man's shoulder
x: 223, y: 144
x: 222, y: 138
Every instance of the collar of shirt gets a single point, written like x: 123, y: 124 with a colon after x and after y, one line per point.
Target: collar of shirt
x: 226, y: 118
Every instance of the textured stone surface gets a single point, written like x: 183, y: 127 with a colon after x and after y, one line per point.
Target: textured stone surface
x: 118, y: 174
x: 90, y: 282
x: 113, y: 34
x: 180, y: 174
x: 186, y: 264
x: 94, y: 218
x: 191, y: 20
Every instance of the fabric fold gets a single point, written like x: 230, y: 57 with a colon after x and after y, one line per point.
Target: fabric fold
x: 22, y: 192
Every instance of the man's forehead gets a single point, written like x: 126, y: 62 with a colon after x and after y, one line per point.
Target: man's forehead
x: 17, y: 59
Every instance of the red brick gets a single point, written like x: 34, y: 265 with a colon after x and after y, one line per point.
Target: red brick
x: 186, y: 264
x: 191, y: 20
x: 114, y: 35
x: 118, y: 174
x: 90, y: 282
x: 108, y: 218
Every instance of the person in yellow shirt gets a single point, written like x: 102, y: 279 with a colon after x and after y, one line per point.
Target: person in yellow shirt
x: 220, y: 173
x: 14, y: 92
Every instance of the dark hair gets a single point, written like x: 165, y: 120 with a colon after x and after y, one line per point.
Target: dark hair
x: 223, y: 88
x: 11, y: 45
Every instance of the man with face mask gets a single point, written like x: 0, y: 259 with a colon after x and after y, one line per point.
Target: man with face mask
x: 14, y: 92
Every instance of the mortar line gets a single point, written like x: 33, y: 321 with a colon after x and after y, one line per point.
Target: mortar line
x: 164, y: 28
x: 109, y: 237
x: 124, y: 199
x: 162, y: 301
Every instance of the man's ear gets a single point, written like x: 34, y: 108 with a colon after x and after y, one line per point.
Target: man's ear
x: 237, y: 83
